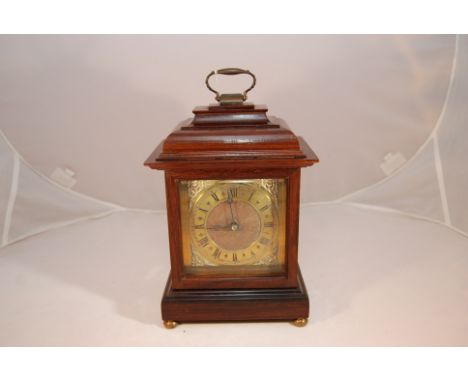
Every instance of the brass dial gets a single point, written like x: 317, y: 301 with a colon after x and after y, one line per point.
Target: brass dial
x: 234, y: 223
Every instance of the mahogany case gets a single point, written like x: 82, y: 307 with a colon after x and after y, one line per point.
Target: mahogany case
x: 233, y: 142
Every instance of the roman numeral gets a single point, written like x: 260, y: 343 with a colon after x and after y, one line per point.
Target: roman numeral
x: 252, y: 194
x: 201, y: 209
x: 216, y: 253
x: 203, y: 242
x: 215, y: 197
x: 233, y: 192
x: 234, y: 257
x: 264, y: 208
x: 268, y: 225
x: 199, y: 226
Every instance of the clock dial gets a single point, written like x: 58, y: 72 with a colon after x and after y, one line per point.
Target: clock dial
x: 234, y: 223
x: 233, y: 227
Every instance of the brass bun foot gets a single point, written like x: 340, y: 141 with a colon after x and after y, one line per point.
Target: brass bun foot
x: 169, y: 324
x: 300, y: 322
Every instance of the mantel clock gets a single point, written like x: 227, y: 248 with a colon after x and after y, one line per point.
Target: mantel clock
x: 232, y: 192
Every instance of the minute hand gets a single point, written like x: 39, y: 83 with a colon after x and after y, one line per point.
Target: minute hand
x: 229, y: 200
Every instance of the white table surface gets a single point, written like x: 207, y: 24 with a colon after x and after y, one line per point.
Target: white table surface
x: 373, y: 279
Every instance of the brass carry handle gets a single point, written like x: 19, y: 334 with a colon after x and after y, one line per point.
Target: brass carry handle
x: 226, y: 99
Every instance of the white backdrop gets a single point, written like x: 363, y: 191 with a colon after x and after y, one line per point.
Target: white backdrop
x: 374, y: 278
x: 100, y: 104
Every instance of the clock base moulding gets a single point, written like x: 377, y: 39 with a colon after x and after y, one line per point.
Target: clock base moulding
x: 231, y: 305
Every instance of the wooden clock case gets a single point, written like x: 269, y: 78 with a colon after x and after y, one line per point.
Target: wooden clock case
x: 237, y: 141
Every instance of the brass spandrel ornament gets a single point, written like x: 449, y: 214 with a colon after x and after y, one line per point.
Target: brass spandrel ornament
x: 196, y: 186
x: 232, y: 178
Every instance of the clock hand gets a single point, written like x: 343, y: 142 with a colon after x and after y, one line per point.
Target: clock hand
x: 233, y: 221
x: 220, y: 227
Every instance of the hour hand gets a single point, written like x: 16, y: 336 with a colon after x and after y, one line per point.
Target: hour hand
x: 220, y: 227
x: 234, y: 226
